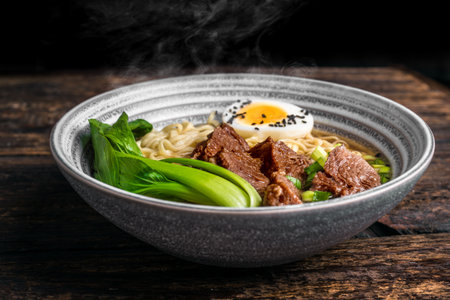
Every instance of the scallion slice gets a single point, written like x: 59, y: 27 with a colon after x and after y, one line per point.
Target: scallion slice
x: 314, y: 196
x: 295, y: 181
x: 319, y: 155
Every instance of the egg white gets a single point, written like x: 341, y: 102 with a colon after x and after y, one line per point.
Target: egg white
x: 298, y: 123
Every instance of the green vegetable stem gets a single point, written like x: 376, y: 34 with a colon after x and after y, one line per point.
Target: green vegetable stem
x: 253, y: 196
x: 119, y: 162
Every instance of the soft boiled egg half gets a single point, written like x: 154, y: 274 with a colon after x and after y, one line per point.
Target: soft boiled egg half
x: 264, y: 118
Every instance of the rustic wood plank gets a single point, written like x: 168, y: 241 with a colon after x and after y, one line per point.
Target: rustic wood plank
x: 391, y: 267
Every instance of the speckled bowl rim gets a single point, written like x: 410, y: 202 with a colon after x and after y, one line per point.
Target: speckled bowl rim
x: 393, y: 184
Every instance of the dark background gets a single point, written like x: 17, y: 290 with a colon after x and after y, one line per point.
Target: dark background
x: 164, y: 36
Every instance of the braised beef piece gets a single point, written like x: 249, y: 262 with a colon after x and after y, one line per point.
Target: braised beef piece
x: 323, y: 182
x: 345, y: 173
x: 268, y: 159
x: 278, y: 161
x: 244, y: 165
x: 226, y: 148
x: 281, y: 191
x: 277, y: 156
x: 223, y: 137
x: 266, y: 165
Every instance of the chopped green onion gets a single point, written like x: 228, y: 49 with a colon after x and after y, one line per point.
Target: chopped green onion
x: 380, y: 166
x: 319, y: 155
x: 377, y: 162
x: 311, y: 171
x: 314, y: 196
x: 313, y: 168
x: 381, y: 169
x: 384, y: 178
x: 321, y: 196
x: 307, y: 196
x: 295, y: 181
x: 369, y: 157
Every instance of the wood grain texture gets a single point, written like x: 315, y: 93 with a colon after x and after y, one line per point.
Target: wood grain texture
x: 53, y: 245
x: 400, y: 267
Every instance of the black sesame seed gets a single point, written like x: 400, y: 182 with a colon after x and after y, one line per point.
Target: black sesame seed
x: 262, y: 122
x: 303, y: 121
x: 306, y: 113
x: 256, y: 128
x: 253, y: 124
x: 263, y: 115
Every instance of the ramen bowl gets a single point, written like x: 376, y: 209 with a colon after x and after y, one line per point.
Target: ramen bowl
x: 246, y: 237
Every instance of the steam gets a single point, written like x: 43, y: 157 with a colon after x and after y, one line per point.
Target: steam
x: 167, y: 36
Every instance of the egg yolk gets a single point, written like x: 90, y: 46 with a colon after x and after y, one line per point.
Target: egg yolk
x: 261, y: 113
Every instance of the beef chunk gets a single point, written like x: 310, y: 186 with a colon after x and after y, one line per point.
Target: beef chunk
x: 226, y: 148
x: 244, y: 165
x: 323, y: 182
x: 345, y: 173
x: 281, y: 191
x: 222, y: 137
x: 277, y: 156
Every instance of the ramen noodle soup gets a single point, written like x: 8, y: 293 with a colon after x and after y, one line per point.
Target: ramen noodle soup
x: 180, y: 139
x: 260, y: 153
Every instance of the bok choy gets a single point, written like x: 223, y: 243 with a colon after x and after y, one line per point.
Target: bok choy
x: 119, y: 162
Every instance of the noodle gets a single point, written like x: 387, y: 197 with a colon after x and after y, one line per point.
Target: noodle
x: 176, y: 140
x: 180, y: 139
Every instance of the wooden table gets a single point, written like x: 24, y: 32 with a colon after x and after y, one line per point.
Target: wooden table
x: 54, y: 246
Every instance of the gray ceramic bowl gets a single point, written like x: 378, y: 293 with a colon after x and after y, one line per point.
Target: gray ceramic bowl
x: 258, y: 236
